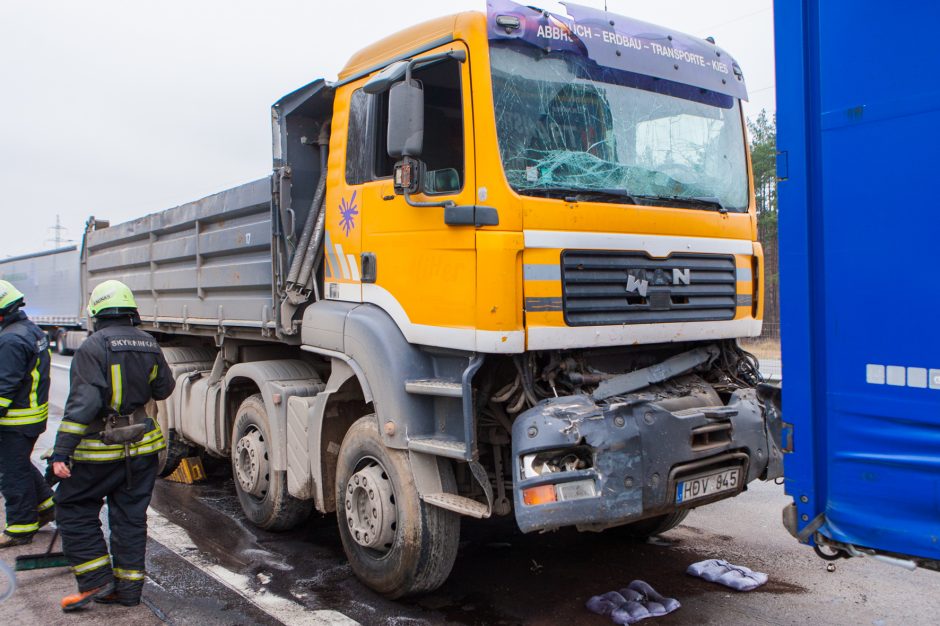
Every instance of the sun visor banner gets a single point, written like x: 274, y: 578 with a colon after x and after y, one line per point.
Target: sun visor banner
x: 621, y: 43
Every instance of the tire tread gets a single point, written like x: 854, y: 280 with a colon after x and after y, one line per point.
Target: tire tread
x: 421, y: 568
x: 286, y: 511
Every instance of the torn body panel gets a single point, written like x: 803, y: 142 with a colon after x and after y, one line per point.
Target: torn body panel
x: 640, y: 447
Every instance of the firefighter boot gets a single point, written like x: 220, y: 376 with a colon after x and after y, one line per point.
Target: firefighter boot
x: 11, y: 541
x: 128, y: 585
x: 118, y: 598
x: 83, y: 598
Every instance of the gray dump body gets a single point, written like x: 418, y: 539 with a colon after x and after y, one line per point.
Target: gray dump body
x: 50, y: 283
x: 217, y: 266
x: 200, y: 268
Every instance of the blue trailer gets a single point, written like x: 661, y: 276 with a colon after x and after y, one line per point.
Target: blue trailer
x: 858, y: 109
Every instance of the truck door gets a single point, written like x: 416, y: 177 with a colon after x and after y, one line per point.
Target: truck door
x: 422, y: 270
x: 857, y: 135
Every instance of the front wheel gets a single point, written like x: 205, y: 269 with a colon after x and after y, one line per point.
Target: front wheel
x: 396, y: 544
x: 262, y: 491
x: 654, y: 525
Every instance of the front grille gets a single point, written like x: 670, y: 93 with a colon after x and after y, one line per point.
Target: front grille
x: 611, y: 287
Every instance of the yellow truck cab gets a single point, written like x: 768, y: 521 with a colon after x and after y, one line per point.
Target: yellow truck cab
x: 500, y: 269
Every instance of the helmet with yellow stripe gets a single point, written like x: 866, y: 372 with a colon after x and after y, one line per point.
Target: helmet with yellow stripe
x: 110, y: 299
x: 11, y: 298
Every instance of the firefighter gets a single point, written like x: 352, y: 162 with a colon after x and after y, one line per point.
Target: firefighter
x: 24, y: 407
x: 106, y: 449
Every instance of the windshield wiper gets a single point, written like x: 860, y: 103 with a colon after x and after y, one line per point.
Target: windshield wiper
x: 710, y: 202
x: 576, y: 194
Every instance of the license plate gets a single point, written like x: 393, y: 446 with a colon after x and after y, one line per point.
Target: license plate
x: 707, y: 485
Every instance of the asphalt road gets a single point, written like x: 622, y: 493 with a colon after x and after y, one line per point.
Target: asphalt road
x: 207, y: 565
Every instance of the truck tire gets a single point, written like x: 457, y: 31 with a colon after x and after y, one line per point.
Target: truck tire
x: 60, y: 343
x: 654, y: 525
x: 170, y: 457
x: 396, y: 544
x: 261, y: 490
x: 176, y: 450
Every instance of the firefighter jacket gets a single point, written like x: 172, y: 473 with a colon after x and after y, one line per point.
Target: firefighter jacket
x: 24, y: 375
x: 117, y: 370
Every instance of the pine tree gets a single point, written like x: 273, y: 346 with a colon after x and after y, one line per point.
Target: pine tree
x: 763, y: 136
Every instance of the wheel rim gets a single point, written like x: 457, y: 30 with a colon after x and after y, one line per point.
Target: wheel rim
x: 251, y: 463
x: 371, y: 512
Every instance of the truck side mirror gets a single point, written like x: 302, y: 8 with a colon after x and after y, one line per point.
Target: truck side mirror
x: 405, y: 120
x: 442, y: 181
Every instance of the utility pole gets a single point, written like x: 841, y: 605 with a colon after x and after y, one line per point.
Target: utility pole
x: 57, y: 239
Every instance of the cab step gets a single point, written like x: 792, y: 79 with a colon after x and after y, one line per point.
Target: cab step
x: 434, y: 387
x: 439, y: 447
x: 458, y: 504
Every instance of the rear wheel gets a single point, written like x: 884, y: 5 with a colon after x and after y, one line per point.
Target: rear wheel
x: 173, y: 454
x: 176, y: 450
x: 396, y: 544
x: 654, y: 525
x: 262, y: 491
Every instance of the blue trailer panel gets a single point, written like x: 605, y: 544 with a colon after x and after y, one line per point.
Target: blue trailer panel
x: 858, y: 112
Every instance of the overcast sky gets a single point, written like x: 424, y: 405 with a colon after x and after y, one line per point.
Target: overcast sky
x: 117, y: 108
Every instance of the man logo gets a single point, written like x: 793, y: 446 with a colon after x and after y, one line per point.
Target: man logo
x: 681, y: 277
x: 637, y: 286
x: 641, y: 285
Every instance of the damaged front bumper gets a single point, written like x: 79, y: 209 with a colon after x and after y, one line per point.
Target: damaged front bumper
x: 622, y: 461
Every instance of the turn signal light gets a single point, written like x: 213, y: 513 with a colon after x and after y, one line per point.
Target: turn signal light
x: 542, y: 494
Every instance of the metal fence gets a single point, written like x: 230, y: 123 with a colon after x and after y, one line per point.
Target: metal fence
x: 767, y: 346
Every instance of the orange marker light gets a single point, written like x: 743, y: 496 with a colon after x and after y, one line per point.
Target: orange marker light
x: 539, y: 495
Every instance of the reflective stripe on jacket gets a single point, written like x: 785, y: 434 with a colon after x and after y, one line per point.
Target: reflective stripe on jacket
x: 116, y: 371
x: 24, y: 375
x: 22, y: 417
x: 96, y: 451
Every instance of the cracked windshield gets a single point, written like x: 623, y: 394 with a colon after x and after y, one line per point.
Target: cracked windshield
x: 569, y: 127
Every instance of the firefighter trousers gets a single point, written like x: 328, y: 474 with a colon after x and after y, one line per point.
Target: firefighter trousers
x: 78, y: 508
x: 23, y: 487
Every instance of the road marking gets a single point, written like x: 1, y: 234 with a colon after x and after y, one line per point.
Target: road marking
x: 174, y: 538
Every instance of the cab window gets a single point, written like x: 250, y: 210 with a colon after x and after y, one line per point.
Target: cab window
x: 359, y: 150
x: 443, y: 152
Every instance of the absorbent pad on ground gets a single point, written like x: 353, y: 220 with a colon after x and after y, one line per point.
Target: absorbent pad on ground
x: 719, y: 571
